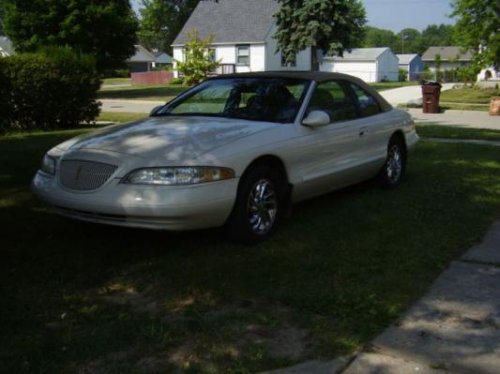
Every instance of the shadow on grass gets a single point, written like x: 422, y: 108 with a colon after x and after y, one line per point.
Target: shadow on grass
x: 342, y: 268
x: 138, y: 92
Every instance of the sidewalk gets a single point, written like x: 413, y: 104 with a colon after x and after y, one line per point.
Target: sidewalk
x: 465, y: 118
x: 402, y: 95
x: 454, y: 328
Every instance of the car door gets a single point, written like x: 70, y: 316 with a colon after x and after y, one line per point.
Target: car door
x: 329, y: 153
x: 375, y: 128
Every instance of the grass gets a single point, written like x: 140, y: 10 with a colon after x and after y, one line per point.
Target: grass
x: 457, y: 132
x: 120, y: 117
x: 381, y: 86
x: 111, y: 81
x: 151, y: 93
x: 84, y: 297
x: 469, y: 95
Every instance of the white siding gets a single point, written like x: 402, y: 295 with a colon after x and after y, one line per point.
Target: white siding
x: 226, y: 54
x: 258, y: 57
x: 387, y: 67
x: 273, y: 60
x: 366, y: 71
x: 178, y: 55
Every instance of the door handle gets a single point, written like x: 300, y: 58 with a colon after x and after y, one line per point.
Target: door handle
x: 363, y: 131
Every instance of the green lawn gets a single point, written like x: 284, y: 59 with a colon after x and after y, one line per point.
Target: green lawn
x: 84, y: 297
x: 469, y: 95
x: 120, y: 117
x: 111, y: 81
x: 381, y: 86
x: 152, y: 93
x: 456, y: 132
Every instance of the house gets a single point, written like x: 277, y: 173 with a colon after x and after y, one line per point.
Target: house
x: 162, y: 59
x: 142, y: 61
x: 412, y: 63
x: 447, y: 58
x: 369, y: 64
x: 6, y: 48
x: 242, y: 33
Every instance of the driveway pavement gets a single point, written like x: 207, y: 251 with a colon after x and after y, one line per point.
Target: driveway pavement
x: 464, y: 118
x: 402, y: 95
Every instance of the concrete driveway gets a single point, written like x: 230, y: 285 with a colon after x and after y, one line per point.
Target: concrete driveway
x: 130, y: 106
x: 402, y: 95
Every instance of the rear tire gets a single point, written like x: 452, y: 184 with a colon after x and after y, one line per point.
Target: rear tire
x: 259, y: 207
x: 395, y: 164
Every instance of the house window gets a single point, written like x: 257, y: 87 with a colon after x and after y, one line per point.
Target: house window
x: 211, y: 54
x: 290, y: 64
x: 243, y: 55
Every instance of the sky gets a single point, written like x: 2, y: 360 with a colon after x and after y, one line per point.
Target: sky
x: 396, y: 15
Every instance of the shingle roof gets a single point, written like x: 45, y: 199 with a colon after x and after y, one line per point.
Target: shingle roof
x: 142, y: 55
x: 6, y: 46
x: 446, y: 53
x: 406, y: 59
x: 360, y: 54
x: 231, y: 21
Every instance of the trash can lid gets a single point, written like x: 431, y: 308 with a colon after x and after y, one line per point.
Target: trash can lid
x: 430, y: 83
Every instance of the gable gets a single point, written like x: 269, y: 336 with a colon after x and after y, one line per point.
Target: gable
x: 230, y: 21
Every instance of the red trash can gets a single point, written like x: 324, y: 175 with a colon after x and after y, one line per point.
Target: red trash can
x: 430, y: 96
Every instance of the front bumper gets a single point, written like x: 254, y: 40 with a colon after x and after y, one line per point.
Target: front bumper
x: 154, y: 207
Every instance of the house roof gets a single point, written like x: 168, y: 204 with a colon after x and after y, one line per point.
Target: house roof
x: 142, y: 55
x: 406, y: 59
x: 447, y: 53
x: 162, y: 58
x: 6, y: 46
x: 360, y: 54
x: 231, y: 21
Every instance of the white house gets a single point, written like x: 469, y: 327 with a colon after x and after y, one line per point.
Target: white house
x: 412, y: 63
x: 243, y: 36
x: 369, y: 64
x: 6, y: 48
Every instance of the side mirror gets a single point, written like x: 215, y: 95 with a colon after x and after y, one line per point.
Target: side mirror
x: 316, y: 118
x: 155, y: 110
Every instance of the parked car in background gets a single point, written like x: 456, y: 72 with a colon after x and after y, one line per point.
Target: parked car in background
x: 236, y: 150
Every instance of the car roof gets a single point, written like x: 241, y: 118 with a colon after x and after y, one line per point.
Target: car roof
x: 316, y: 76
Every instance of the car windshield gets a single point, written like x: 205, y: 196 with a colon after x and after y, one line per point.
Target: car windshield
x: 257, y: 99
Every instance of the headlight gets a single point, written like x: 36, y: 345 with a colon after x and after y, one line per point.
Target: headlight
x: 48, y: 165
x: 172, y: 176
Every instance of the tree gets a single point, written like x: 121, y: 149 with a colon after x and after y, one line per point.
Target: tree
x: 162, y: 20
x: 1, y: 17
x: 409, y: 41
x: 105, y: 29
x: 330, y: 25
x: 375, y: 37
x: 198, y: 59
x: 477, y: 29
x: 436, y: 35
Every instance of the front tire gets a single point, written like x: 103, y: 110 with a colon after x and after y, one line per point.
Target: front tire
x: 259, y: 205
x: 395, y: 164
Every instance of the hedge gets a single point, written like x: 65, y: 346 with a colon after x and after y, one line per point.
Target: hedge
x: 53, y: 89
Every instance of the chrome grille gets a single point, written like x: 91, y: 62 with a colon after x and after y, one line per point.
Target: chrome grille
x: 85, y: 175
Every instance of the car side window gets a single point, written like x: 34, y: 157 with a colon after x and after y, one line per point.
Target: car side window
x: 368, y: 105
x: 331, y: 97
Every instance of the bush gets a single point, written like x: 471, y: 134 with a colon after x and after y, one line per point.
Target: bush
x: 53, y: 89
x: 5, y: 107
x: 402, y: 75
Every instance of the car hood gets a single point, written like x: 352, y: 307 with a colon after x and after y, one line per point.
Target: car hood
x: 172, y: 138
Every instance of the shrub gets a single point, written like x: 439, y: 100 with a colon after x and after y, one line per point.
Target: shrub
x: 55, y: 88
x: 402, y: 75
x: 5, y: 107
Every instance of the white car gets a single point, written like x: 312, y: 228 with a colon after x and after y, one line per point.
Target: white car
x: 236, y: 150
